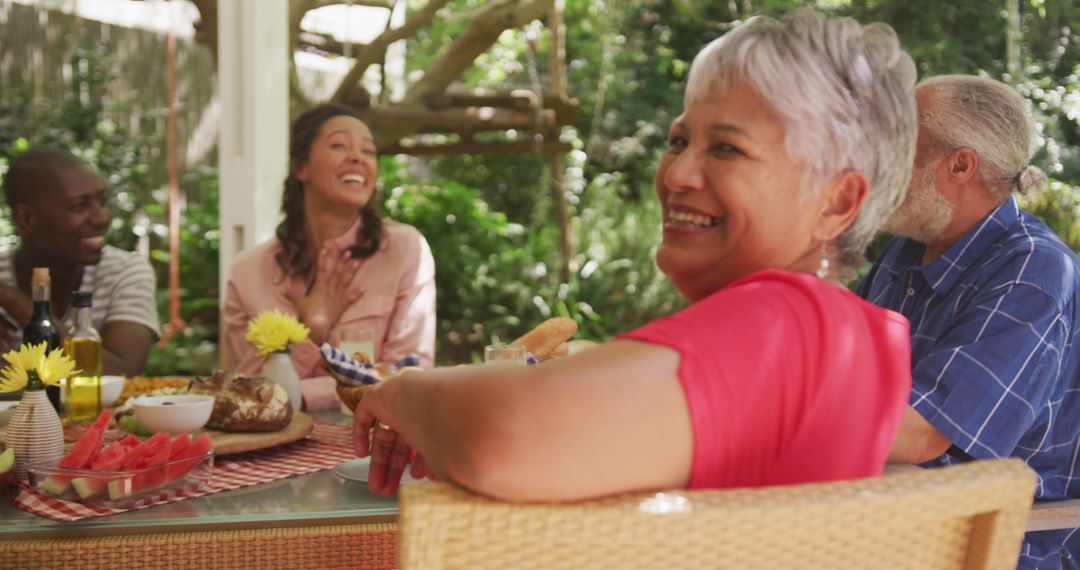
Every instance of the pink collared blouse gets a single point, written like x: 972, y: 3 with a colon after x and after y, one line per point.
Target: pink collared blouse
x: 397, y: 301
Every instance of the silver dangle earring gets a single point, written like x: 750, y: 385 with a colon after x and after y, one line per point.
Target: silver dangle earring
x: 823, y: 269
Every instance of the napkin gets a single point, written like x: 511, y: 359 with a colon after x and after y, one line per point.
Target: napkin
x: 352, y: 372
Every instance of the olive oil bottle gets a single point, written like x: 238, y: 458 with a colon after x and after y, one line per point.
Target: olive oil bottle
x: 83, y: 345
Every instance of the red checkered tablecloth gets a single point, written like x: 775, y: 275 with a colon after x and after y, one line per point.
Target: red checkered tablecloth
x: 327, y: 446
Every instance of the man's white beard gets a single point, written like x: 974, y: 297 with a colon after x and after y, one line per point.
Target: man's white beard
x: 925, y: 213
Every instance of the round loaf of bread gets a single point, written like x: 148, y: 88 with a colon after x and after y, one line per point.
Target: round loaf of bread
x: 250, y: 403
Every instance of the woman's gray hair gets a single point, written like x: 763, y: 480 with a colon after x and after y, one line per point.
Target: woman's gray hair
x: 845, y: 93
x: 990, y: 118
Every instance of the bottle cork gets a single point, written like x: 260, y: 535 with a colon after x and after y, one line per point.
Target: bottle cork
x: 41, y: 277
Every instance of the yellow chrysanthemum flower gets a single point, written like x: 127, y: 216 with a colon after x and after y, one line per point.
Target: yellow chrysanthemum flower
x: 50, y: 368
x: 55, y: 367
x: 13, y: 378
x: 273, y: 331
x: 27, y: 356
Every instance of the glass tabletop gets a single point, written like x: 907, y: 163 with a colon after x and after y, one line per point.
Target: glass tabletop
x: 314, y: 498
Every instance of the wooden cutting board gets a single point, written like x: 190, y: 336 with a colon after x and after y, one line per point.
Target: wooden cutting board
x: 229, y: 442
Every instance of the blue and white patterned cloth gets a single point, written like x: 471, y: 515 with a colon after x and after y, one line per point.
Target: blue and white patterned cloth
x: 355, y: 373
x: 994, y: 323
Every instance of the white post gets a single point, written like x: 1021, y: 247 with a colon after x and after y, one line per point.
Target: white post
x: 253, y: 79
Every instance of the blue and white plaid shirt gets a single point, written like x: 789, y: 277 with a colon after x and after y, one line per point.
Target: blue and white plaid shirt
x: 993, y: 325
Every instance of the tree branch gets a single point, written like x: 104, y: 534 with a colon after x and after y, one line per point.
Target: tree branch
x: 297, y: 9
x: 477, y: 39
x: 206, y: 29
x: 375, y: 51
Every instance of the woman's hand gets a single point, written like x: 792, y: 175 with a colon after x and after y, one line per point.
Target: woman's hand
x: 390, y: 453
x: 328, y: 295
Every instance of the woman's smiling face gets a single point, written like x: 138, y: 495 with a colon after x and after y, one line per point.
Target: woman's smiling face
x: 731, y: 196
x: 341, y: 166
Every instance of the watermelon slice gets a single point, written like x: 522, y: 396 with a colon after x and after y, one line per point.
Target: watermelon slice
x: 157, y: 449
x: 187, y: 458
x: 110, y: 459
x: 152, y: 475
x: 179, y: 444
x: 136, y: 458
x: 130, y: 441
x: 79, y: 457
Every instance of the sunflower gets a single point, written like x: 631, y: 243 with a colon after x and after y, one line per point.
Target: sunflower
x: 30, y: 366
x: 273, y: 331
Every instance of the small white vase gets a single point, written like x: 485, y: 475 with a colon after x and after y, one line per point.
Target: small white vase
x: 35, y: 432
x: 280, y: 369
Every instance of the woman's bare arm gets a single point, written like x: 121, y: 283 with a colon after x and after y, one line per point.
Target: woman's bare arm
x: 608, y: 420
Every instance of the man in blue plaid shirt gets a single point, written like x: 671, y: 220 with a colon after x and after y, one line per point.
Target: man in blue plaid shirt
x: 993, y: 297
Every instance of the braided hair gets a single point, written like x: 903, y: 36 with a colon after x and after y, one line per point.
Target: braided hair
x: 293, y: 257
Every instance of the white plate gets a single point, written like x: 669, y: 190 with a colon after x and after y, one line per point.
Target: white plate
x: 357, y: 470
x: 7, y: 409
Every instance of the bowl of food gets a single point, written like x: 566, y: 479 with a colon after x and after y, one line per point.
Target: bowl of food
x: 181, y: 413
x: 136, y: 386
x: 111, y: 387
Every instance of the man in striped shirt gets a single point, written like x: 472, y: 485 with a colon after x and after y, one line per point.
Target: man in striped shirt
x: 993, y: 297
x: 58, y: 206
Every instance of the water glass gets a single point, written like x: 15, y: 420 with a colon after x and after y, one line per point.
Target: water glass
x: 505, y: 354
x: 362, y: 340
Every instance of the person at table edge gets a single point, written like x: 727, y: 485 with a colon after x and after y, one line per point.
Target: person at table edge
x: 795, y: 143
x: 992, y: 295
x: 335, y: 263
x: 59, y: 209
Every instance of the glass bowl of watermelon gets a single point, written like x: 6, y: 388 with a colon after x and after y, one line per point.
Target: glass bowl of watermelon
x: 126, y: 471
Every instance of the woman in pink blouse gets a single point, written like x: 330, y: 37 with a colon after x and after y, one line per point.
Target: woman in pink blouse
x: 335, y: 263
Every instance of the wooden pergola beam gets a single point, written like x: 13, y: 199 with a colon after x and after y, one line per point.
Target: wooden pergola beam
x: 473, y: 147
x: 461, y: 120
x: 566, y: 109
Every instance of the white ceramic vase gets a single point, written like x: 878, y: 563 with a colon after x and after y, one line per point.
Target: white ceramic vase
x: 280, y: 369
x: 35, y: 432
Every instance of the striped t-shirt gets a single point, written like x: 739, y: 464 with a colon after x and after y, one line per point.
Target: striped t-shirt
x: 122, y: 286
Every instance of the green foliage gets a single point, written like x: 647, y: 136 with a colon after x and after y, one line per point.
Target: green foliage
x: 193, y: 349
x: 497, y: 279
x: 944, y: 37
x: 1059, y: 206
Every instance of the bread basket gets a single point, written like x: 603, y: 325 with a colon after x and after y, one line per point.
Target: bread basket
x: 350, y: 395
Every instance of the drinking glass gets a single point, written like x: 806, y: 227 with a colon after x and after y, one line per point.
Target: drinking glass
x: 504, y: 354
x: 362, y: 340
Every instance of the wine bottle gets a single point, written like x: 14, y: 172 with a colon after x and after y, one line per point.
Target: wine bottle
x: 82, y: 394
x: 42, y: 327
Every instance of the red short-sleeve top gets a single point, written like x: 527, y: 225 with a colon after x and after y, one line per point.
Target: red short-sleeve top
x: 788, y: 379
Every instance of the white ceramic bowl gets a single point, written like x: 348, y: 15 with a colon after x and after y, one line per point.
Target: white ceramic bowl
x: 183, y: 413
x: 111, y: 387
